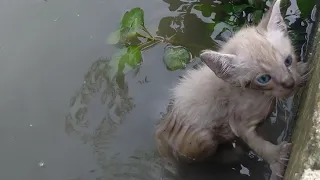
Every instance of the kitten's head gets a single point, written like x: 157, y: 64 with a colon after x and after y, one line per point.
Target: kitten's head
x: 260, y: 57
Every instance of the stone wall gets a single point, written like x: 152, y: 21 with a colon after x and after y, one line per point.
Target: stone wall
x: 304, y: 163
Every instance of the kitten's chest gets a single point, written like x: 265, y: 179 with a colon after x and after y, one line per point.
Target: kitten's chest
x: 254, y: 107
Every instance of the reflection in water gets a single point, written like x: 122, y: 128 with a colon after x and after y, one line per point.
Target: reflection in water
x: 203, y: 24
x: 208, y: 24
x: 103, y: 89
x: 196, y: 27
x: 98, y: 84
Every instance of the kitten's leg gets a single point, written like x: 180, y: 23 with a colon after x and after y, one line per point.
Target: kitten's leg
x: 276, y: 155
x: 194, y: 143
x: 184, y: 142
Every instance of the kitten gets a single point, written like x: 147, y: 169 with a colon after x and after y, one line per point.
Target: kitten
x: 232, y: 93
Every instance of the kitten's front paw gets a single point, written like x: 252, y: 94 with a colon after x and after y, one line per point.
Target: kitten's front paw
x: 279, y: 165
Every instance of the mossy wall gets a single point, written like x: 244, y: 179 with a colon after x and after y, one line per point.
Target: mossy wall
x: 304, y: 163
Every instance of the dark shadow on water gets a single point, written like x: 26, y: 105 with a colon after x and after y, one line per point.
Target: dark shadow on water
x: 197, y: 26
x: 103, y: 88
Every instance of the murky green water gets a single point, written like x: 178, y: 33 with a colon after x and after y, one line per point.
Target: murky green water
x: 63, y: 117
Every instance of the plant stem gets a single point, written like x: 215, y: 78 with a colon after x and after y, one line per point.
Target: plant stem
x: 149, y: 38
x: 148, y: 44
x: 145, y: 30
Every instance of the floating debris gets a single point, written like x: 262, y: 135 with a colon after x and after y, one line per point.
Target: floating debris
x: 244, y: 170
x: 41, y: 164
x: 251, y: 155
x: 30, y: 125
x: 144, y: 81
x: 56, y: 19
x: 234, y: 145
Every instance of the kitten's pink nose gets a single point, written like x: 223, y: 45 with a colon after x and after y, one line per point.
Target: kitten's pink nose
x: 287, y: 82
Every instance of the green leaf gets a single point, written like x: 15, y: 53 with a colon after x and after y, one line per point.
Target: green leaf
x: 228, y: 8
x: 198, y: 7
x: 127, y: 34
x: 134, y: 56
x: 115, y: 65
x: 131, y: 56
x: 132, y: 25
x: 132, y: 18
x: 211, y: 26
x: 176, y: 57
x: 257, y: 15
x: 240, y: 8
x: 133, y: 31
x: 306, y: 7
x: 251, y: 2
x: 114, y: 37
x: 205, y: 9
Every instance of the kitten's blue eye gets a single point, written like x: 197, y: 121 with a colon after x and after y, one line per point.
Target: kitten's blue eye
x: 288, y: 61
x: 264, y: 79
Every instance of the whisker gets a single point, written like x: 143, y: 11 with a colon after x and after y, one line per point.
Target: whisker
x: 285, y: 115
x: 309, y: 71
x: 280, y: 101
x: 305, y: 75
x: 276, y: 106
x: 304, y: 67
x: 270, y: 102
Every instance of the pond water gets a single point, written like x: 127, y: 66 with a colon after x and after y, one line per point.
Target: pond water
x: 63, y: 117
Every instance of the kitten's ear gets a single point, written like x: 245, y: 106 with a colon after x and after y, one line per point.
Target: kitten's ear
x: 223, y: 65
x: 273, y: 20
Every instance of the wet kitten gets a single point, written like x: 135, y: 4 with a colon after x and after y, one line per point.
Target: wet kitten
x: 233, y: 93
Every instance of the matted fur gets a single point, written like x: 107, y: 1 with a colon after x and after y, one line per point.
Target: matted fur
x: 222, y: 99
